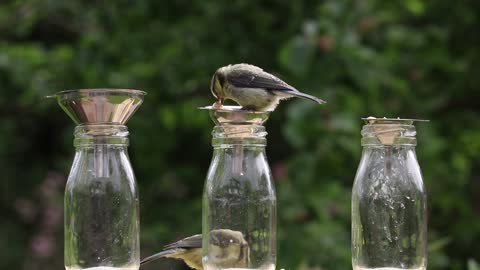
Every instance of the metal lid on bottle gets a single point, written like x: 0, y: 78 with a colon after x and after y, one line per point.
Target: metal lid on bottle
x: 374, y: 120
x: 100, y: 106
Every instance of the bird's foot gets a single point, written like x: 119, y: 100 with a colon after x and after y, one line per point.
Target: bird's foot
x: 217, y: 105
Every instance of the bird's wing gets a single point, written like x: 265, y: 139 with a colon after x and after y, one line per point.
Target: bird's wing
x: 179, y: 247
x: 157, y: 256
x: 247, y: 78
x: 194, y: 241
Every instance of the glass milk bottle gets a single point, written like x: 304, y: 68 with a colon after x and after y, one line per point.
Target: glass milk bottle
x: 239, y: 202
x: 101, y: 196
x: 389, y: 202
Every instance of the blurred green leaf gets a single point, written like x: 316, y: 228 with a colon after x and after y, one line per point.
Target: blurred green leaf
x: 473, y: 265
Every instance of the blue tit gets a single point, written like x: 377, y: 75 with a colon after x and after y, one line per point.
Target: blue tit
x: 252, y: 88
x: 228, y: 249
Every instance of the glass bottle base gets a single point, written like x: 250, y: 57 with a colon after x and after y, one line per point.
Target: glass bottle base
x: 103, y: 268
x: 387, y: 268
x: 264, y: 267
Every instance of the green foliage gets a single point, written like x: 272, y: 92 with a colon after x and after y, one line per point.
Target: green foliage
x: 411, y: 58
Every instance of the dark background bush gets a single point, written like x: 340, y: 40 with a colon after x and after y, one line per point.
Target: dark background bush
x: 411, y: 58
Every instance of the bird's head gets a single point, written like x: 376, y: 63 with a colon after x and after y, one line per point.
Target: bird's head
x: 229, y: 248
x: 218, y: 83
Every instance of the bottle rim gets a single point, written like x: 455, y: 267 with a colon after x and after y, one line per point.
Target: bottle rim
x: 225, y: 136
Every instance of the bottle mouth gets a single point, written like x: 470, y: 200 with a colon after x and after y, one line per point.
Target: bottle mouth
x: 225, y: 136
x: 102, y: 133
x: 389, y: 131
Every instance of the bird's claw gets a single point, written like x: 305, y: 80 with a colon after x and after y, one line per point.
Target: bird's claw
x: 217, y: 105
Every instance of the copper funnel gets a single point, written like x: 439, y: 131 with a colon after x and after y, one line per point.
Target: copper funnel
x: 96, y: 106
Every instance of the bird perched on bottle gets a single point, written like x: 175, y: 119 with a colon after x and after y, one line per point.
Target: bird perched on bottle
x: 228, y: 249
x: 252, y: 88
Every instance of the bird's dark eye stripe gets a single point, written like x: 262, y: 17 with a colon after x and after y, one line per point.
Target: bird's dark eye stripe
x: 221, y: 78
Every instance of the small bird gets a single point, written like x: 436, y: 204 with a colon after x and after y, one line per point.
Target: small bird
x: 252, y: 88
x: 228, y: 249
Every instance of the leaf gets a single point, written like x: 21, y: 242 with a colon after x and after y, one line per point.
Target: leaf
x: 415, y: 6
x: 473, y: 265
x: 297, y: 55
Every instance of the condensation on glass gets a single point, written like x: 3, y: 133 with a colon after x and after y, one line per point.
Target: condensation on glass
x: 389, y: 220
x: 239, y: 201
x: 101, y: 196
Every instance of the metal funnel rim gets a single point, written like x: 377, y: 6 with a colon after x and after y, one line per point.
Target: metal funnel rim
x: 109, y: 90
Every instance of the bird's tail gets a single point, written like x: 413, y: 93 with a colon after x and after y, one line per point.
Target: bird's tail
x: 306, y: 96
x: 157, y: 256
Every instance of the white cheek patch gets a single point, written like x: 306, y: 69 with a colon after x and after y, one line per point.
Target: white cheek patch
x: 216, y: 251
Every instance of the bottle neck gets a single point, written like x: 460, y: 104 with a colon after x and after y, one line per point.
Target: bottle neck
x: 388, y: 150
x: 100, y: 134
x: 239, y: 135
